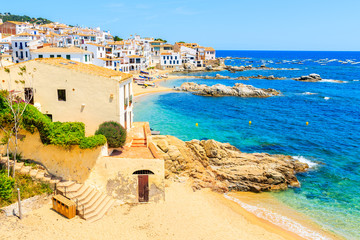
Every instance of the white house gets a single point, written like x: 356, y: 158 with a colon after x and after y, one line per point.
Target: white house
x: 98, y: 52
x: 170, y: 60
x: 20, y: 48
x: 71, y: 53
x: 210, y: 53
x: 137, y: 63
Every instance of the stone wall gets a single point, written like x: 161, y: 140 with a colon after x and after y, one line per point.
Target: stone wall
x: 114, y: 176
x: 68, y: 163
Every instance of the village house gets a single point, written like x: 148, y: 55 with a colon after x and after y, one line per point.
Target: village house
x: 20, y: 48
x: 13, y: 27
x: 209, y: 53
x: 71, y: 53
x: 66, y: 90
x: 170, y: 60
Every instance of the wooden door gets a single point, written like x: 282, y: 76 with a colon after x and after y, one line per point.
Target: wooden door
x: 143, y: 188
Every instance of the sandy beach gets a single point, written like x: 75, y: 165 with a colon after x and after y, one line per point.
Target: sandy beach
x: 141, y: 90
x: 184, y: 215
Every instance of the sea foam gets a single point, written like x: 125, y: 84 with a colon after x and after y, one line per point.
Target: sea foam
x: 279, y: 220
x: 304, y: 160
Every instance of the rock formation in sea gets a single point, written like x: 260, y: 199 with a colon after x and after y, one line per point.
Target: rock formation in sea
x: 223, y: 167
x: 310, y: 78
x: 218, y: 76
x: 240, y: 90
x: 234, y: 69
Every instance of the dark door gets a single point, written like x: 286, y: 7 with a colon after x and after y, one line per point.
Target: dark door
x: 143, y: 188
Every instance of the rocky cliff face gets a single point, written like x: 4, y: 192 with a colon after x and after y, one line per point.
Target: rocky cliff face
x: 240, y: 90
x: 223, y: 167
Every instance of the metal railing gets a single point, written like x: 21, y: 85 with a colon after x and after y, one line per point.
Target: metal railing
x: 77, y: 201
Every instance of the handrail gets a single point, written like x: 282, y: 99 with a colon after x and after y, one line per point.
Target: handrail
x: 77, y: 201
x: 145, y: 136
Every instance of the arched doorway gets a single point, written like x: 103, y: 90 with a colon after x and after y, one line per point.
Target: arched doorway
x: 143, y: 184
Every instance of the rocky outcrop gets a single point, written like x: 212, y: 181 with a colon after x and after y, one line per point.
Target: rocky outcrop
x: 240, y: 90
x: 218, y: 76
x: 223, y: 167
x: 250, y: 67
x: 310, y: 78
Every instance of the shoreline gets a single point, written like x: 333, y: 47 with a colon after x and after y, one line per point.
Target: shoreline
x: 305, y: 222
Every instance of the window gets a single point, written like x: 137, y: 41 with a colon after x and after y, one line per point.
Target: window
x: 41, y: 56
x: 15, y: 44
x: 21, y: 46
x: 26, y: 44
x: 86, y: 58
x: 26, y: 53
x: 68, y: 57
x: 17, y: 54
x: 52, y: 56
x: 58, y: 56
x: 61, y: 94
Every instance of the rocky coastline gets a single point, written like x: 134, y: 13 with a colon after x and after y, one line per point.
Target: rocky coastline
x: 310, y: 78
x: 234, y: 69
x: 222, y: 167
x: 239, y: 90
x: 218, y: 76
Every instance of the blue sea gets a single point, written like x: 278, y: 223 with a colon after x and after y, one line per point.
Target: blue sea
x: 330, y: 191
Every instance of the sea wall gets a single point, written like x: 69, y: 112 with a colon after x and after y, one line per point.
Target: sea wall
x: 115, y: 177
x: 70, y: 163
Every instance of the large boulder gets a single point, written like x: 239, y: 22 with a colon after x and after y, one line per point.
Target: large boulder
x: 239, y: 90
x: 310, y: 78
x: 223, y: 167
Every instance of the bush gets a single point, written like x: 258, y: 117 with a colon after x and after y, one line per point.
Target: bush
x: 6, y: 186
x: 57, y: 133
x: 114, y: 133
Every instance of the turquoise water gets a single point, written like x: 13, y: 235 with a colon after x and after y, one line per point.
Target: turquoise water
x: 330, y: 192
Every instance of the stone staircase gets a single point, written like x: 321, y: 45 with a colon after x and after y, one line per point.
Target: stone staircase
x: 139, y: 142
x: 91, y: 204
x: 37, y: 173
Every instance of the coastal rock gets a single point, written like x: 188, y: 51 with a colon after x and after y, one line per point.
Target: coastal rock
x: 223, y: 167
x: 250, y: 67
x: 240, y: 90
x: 310, y: 78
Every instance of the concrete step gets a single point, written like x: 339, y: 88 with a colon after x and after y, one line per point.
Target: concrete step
x: 25, y: 169
x: 40, y: 175
x: 98, y: 210
x: 102, y: 212
x: 33, y: 172
x: 82, y: 192
x: 69, y: 188
x: 96, y: 198
x: 92, y: 208
x: 86, y: 196
x: 18, y: 166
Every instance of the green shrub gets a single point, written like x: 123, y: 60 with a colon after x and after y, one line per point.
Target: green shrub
x: 6, y: 186
x: 92, y: 142
x: 57, y: 133
x: 114, y: 133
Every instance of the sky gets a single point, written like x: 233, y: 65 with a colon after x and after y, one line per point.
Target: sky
x: 325, y: 25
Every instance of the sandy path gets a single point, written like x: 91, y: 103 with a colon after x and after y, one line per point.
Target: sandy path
x: 184, y: 215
